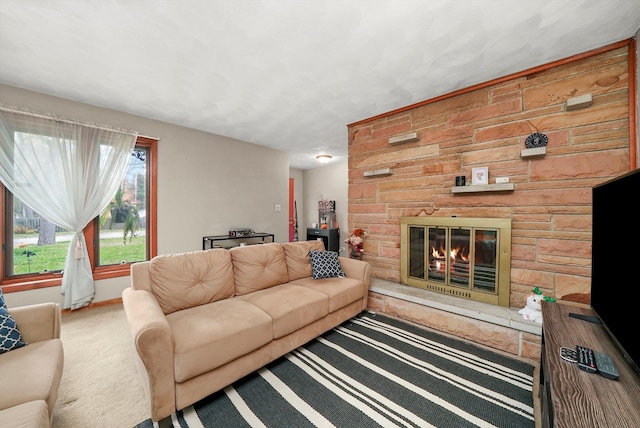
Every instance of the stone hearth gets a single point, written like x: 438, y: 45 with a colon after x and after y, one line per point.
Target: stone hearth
x: 486, y: 324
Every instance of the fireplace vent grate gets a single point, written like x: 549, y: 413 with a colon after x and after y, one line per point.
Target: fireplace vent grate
x: 447, y: 290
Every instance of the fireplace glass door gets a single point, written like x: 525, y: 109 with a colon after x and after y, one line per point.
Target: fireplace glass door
x: 458, y: 260
x: 453, y: 258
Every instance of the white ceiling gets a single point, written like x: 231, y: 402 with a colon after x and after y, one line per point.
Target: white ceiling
x: 290, y: 75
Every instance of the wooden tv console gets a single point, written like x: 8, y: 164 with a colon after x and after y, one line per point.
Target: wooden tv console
x: 571, y: 397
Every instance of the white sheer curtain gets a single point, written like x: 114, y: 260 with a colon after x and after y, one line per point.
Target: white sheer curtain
x: 68, y: 172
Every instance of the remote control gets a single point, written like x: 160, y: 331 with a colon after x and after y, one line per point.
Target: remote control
x: 582, y: 317
x: 605, y: 366
x: 586, y: 359
x: 568, y: 354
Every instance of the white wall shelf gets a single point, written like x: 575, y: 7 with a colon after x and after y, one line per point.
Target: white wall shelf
x: 384, y: 172
x: 535, y: 152
x: 402, y: 139
x: 502, y: 187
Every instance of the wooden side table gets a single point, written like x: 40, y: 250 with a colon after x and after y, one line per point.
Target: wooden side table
x: 571, y: 397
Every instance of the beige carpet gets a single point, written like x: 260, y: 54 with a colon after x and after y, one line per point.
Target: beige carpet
x: 100, y: 386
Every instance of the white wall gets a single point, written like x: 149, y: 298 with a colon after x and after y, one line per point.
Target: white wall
x: 332, y: 182
x: 206, y: 183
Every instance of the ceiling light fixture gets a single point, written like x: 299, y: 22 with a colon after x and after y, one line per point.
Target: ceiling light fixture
x: 323, y: 158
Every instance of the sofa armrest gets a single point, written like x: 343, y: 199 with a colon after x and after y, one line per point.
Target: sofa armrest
x: 154, y: 346
x: 357, y: 269
x: 38, y: 322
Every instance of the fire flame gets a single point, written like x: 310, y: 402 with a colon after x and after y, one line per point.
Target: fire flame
x: 458, y: 254
x: 455, y: 254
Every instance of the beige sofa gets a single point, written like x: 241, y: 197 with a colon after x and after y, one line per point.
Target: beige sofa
x: 204, y: 319
x: 31, y: 374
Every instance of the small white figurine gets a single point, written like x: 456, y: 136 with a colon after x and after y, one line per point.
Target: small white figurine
x: 533, y: 310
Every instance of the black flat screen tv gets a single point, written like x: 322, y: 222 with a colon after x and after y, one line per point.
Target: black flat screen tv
x: 615, y: 261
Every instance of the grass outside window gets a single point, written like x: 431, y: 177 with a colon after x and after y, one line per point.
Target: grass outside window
x: 29, y: 258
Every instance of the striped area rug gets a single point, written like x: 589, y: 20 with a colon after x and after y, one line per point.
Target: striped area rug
x: 374, y: 371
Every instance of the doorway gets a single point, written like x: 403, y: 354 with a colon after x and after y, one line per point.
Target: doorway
x: 293, y: 212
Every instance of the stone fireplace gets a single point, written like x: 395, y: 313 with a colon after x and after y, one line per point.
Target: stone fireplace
x: 404, y: 164
x: 463, y: 257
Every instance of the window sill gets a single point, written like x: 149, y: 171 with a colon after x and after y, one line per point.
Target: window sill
x: 111, y: 271
x: 16, y: 285
x: 12, y: 286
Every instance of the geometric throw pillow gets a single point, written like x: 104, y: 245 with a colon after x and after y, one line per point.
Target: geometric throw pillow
x: 325, y: 264
x: 10, y: 337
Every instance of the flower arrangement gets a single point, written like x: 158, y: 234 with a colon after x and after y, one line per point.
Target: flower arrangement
x: 327, y: 211
x: 355, y: 240
x: 325, y: 206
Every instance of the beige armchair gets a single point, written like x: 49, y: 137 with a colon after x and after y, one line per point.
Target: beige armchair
x: 31, y: 374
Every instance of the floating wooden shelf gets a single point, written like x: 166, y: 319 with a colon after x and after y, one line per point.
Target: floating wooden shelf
x: 502, y: 187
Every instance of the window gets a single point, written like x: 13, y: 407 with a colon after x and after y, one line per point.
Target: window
x: 34, y: 250
x: 121, y: 227
x: 34, y: 245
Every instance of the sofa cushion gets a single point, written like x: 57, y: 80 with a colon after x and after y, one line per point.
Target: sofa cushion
x: 256, y: 267
x: 182, y: 281
x: 325, y: 264
x: 211, y: 335
x: 33, y: 414
x: 297, y: 257
x: 290, y: 306
x: 31, y: 373
x: 10, y: 337
x: 340, y: 291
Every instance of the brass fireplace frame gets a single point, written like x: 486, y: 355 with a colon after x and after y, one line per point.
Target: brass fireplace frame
x: 503, y: 256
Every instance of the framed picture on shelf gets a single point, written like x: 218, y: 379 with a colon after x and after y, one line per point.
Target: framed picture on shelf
x: 480, y: 176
